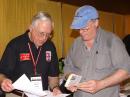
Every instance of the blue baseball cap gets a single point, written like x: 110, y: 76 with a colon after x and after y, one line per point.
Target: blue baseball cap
x: 83, y: 15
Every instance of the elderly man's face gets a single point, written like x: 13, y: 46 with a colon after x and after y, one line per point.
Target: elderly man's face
x: 41, y: 32
x: 88, y: 33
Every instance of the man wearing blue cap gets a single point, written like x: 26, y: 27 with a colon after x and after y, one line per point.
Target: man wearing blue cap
x: 98, y: 56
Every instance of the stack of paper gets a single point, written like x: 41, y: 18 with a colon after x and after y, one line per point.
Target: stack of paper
x: 25, y: 85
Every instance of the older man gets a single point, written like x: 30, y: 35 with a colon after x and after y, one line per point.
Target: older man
x: 98, y: 56
x: 32, y: 53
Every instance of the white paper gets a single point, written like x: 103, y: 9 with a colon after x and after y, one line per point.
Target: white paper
x: 122, y: 95
x: 127, y: 86
x: 30, y: 95
x: 24, y: 84
x: 49, y: 94
x: 37, y: 82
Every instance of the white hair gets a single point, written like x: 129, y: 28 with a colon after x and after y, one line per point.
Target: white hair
x: 42, y: 16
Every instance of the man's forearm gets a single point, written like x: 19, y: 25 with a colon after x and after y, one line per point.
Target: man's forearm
x: 2, y: 77
x: 114, y: 79
x: 53, y: 82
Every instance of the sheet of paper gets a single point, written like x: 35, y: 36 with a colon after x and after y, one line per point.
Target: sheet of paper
x: 49, y: 94
x: 30, y: 95
x: 122, y: 95
x: 24, y: 84
x: 127, y: 86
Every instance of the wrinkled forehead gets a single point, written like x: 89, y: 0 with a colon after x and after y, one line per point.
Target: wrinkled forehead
x: 44, y: 26
x: 43, y: 22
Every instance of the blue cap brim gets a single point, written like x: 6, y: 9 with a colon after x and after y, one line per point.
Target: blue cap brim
x: 78, y: 23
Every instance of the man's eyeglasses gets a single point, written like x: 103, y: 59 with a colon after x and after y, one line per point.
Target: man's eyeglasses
x: 88, y: 25
x: 43, y: 34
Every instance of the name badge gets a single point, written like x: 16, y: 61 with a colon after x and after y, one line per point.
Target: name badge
x: 48, y: 56
x: 37, y: 82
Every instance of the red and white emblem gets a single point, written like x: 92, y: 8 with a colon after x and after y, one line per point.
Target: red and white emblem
x: 25, y: 56
x: 48, y: 55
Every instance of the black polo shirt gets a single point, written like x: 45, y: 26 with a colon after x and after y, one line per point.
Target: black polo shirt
x: 17, y: 59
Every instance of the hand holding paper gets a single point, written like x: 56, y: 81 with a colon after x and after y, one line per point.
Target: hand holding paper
x: 73, y: 79
x: 24, y: 84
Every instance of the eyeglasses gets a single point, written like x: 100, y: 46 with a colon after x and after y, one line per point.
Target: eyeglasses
x: 90, y: 22
x: 43, y: 34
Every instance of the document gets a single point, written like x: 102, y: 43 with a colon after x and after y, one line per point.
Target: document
x: 25, y: 85
x: 49, y: 94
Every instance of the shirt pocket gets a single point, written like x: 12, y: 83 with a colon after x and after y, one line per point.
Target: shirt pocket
x: 103, y: 61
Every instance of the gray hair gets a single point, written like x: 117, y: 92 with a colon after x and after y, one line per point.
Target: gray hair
x: 42, y: 16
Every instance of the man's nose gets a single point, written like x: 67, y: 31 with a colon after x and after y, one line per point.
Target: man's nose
x: 42, y: 38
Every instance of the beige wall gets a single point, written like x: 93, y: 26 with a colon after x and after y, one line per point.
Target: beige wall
x: 15, y: 18
x: 67, y: 14
x: 116, y: 23
x: 127, y: 24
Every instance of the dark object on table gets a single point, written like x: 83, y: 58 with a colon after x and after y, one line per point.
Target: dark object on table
x: 126, y: 41
x: 64, y: 90
x: 2, y: 94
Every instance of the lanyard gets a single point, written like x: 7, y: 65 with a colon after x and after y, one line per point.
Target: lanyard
x: 34, y: 62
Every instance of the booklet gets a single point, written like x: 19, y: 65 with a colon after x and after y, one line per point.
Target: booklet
x: 73, y: 79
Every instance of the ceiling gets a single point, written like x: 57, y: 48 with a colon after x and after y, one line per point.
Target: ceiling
x: 115, y: 6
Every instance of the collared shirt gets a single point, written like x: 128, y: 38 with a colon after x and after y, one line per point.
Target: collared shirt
x: 106, y: 56
x: 17, y: 60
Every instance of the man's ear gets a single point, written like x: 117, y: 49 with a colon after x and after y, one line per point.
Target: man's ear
x: 97, y: 23
x: 30, y: 28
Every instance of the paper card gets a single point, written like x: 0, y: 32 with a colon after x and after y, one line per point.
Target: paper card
x: 73, y: 79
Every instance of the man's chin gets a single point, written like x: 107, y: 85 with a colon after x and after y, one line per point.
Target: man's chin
x: 40, y: 44
x: 84, y: 39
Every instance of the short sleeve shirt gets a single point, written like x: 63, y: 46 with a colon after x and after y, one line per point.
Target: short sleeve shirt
x: 17, y: 60
x: 106, y: 56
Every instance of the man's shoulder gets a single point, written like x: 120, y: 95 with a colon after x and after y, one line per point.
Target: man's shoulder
x: 77, y: 43
x: 18, y: 40
x: 106, y: 32
x: 78, y: 39
x: 107, y: 35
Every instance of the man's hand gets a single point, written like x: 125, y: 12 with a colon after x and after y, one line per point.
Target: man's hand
x: 72, y: 88
x: 6, y: 85
x: 54, y: 83
x: 91, y: 86
x: 56, y: 91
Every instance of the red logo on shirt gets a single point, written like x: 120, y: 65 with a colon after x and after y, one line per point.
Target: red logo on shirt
x: 48, y: 56
x: 25, y: 56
